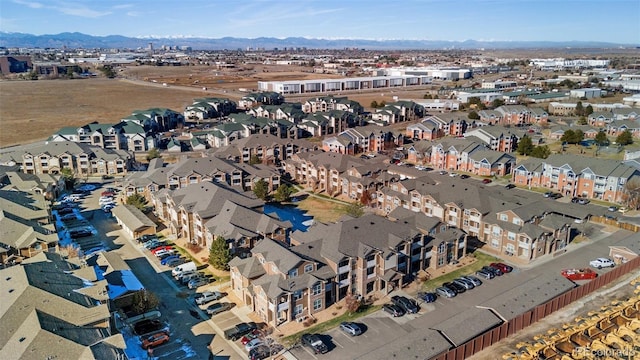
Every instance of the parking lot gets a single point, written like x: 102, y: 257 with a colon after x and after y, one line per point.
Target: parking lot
x: 193, y: 335
x: 381, y: 328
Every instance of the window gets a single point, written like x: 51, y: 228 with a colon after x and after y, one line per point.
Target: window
x: 316, y: 289
x: 504, y: 217
x: 512, y: 236
x: 442, y: 248
x: 370, y: 270
x: 274, y: 268
x: 516, y: 221
x: 317, y: 304
x: 293, y: 272
x: 495, y: 243
x: 297, y: 310
x: 297, y: 295
x: 308, y: 268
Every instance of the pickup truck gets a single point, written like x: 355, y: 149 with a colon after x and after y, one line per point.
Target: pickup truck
x: 239, y: 331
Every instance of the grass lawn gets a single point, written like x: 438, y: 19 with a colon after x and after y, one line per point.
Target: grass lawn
x: 322, y: 210
x: 327, y: 325
x: 482, y: 259
x: 183, y: 252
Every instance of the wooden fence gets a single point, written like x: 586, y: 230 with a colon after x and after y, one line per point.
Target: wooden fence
x: 520, y: 322
x: 615, y: 222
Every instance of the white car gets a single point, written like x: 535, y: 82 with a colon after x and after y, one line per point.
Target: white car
x: 207, y: 296
x: 599, y: 263
x: 253, y: 344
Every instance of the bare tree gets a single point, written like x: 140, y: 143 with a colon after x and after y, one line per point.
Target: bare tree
x: 353, y: 303
x: 631, y: 196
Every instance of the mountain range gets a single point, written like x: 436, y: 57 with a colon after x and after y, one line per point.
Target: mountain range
x: 79, y: 40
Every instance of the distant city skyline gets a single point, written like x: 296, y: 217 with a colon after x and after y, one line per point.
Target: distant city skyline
x: 615, y: 21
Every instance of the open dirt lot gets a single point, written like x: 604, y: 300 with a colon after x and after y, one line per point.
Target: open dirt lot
x: 33, y: 110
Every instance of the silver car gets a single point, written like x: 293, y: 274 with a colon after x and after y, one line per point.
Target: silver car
x: 474, y: 280
x: 468, y: 285
x: 445, y: 292
x: 351, y: 328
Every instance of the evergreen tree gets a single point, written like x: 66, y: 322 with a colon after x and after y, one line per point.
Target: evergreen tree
x: 525, y: 146
x: 219, y: 253
x: 625, y: 138
x: 473, y: 115
x: 541, y: 152
x: 283, y: 193
x: 601, y: 138
x: 261, y: 189
x: 138, y: 201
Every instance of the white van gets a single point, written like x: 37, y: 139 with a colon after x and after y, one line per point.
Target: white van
x: 190, y: 266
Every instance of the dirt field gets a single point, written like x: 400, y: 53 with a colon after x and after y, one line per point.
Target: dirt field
x: 33, y: 110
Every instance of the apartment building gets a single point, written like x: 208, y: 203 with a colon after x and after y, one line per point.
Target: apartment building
x: 514, y: 115
x: 574, y: 175
x: 398, y: 111
x: 498, y: 138
x: 280, y: 285
x: 320, y: 170
x: 156, y: 119
x: 120, y: 136
x: 209, y: 108
x: 363, y: 139
x: 437, y: 126
x: 328, y: 103
x: 269, y: 149
x: 472, y: 208
x: 26, y: 226
x: 186, y: 210
x: 51, y: 157
x: 254, y: 99
x: 285, y: 111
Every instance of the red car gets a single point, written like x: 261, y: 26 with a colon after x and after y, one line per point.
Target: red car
x: 107, y: 194
x: 155, y: 340
x: 579, y: 274
x: 502, y: 267
x: 250, y: 336
x: 486, y: 181
x: 165, y: 248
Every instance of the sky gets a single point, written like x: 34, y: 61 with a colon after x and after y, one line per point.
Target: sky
x: 616, y: 21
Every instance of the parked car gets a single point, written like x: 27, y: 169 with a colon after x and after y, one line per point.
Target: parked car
x: 548, y: 194
x: 459, y: 289
x: 155, y: 340
x: 408, y: 305
x: 159, y: 253
x: 428, y: 297
x: 486, y: 181
x: 579, y: 274
x: 509, y: 186
x: 495, y: 271
x: 217, y: 308
x: 260, y: 352
x: 392, y: 309
x: 161, y: 248
x: 169, y: 258
x: 445, y: 292
x: 315, y: 343
x: 556, y: 196
x: 106, y: 194
x: 250, y: 336
x: 207, y: 296
x: 612, y: 208
x: 253, y: 343
x: 196, y: 283
x: 502, y: 267
x: 79, y: 233
x: 147, y: 326
x: 468, y: 285
x: 474, y: 280
x: 175, y: 262
x: 147, y: 237
x: 442, y: 172
x: 350, y: 328
x: 485, y: 274
x: 464, y: 176
x: 599, y: 263
x: 185, y: 278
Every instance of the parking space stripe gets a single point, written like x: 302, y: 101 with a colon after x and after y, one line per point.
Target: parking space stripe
x: 337, y: 343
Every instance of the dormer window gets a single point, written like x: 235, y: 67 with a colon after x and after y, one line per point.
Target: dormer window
x: 308, y: 268
x: 293, y: 272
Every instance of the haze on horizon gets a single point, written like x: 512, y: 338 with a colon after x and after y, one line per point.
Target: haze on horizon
x: 615, y: 21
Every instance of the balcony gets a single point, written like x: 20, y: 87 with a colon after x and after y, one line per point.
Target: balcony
x: 371, y: 263
x: 371, y: 276
x: 283, y: 306
x: 343, y: 283
x: 343, y: 269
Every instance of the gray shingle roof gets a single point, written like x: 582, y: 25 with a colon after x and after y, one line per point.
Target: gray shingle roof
x: 467, y: 325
